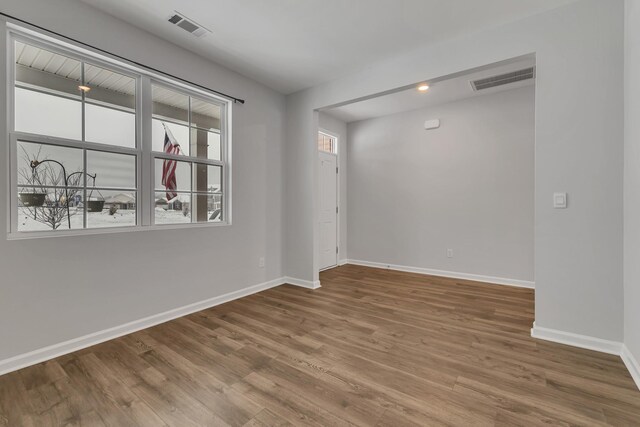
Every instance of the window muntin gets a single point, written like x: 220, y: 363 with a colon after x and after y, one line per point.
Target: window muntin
x: 98, y: 136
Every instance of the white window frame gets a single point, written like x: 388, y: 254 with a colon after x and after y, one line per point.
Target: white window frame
x: 192, y: 160
x: 145, y: 157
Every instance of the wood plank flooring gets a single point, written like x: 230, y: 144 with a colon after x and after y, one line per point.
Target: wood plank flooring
x: 371, y: 348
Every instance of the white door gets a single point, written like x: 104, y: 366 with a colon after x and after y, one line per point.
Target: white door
x: 328, y: 210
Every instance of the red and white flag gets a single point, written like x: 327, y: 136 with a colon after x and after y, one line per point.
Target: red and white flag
x: 171, y: 146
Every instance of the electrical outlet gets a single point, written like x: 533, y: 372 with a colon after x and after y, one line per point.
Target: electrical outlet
x: 449, y: 253
x: 261, y: 262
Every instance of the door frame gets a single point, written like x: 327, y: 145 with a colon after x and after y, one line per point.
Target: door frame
x: 338, y: 173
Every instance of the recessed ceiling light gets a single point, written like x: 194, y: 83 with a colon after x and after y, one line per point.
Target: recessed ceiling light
x: 84, y: 88
x: 423, y: 88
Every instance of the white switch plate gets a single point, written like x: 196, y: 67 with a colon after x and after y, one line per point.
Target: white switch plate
x: 560, y: 200
x: 432, y: 124
x: 261, y: 262
x: 449, y: 253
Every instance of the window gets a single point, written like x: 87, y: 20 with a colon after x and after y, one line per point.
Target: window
x: 327, y: 143
x: 187, y: 151
x: 80, y: 140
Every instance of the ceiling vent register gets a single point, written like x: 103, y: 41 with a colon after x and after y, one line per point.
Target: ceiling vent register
x: 187, y: 24
x: 504, y: 79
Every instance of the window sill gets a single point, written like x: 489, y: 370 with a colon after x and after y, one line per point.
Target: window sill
x: 28, y: 235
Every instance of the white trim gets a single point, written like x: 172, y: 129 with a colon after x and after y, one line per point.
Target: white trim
x: 342, y: 262
x: 576, y: 340
x: 338, y: 206
x: 591, y: 343
x: 25, y: 235
x: 338, y: 156
x: 631, y: 363
x: 302, y: 283
x: 442, y: 273
x: 55, y: 350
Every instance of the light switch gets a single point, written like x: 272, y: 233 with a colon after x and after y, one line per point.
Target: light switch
x: 560, y: 200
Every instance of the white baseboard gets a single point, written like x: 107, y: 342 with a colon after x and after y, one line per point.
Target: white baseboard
x: 302, y: 283
x: 52, y: 351
x: 577, y: 340
x: 632, y: 364
x: 443, y: 273
x: 591, y: 343
x: 343, y: 262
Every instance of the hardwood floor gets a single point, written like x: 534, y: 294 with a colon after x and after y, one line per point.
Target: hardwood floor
x: 371, y: 347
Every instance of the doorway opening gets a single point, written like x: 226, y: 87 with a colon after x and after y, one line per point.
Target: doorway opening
x: 439, y: 176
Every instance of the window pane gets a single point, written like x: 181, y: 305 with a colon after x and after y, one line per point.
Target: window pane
x: 170, y: 108
x: 46, y: 114
x: 44, y: 69
x: 46, y: 209
x: 207, y: 207
x: 326, y: 143
x: 176, y: 211
x: 48, y: 173
x: 205, y: 115
x: 180, y: 134
x: 171, y: 175
x: 109, y: 87
x: 171, y: 105
x: 111, y: 170
x: 47, y: 98
x: 107, y: 208
x: 207, y: 178
x: 109, y: 126
x: 110, y: 107
x: 205, y: 144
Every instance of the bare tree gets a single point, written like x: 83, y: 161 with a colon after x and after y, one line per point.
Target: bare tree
x: 49, y: 179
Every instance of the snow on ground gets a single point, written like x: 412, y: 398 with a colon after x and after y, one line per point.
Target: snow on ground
x: 122, y: 218
x: 171, y: 217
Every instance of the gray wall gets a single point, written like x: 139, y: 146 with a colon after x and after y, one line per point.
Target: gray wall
x: 467, y: 186
x: 339, y: 128
x: 56, y: 289
x: 579, y: 149
x: 632, y: 180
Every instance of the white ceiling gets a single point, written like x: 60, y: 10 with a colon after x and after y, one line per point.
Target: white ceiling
x: 290, y: 45
x: 440, y: 92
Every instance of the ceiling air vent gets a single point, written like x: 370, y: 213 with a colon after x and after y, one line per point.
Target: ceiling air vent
x: 189, y: 25
x: 504, y: 79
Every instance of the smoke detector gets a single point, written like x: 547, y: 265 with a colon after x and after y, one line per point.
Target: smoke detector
x: 187, y: 24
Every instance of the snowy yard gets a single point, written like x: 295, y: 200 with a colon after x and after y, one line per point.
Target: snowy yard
x: 122, y: 218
